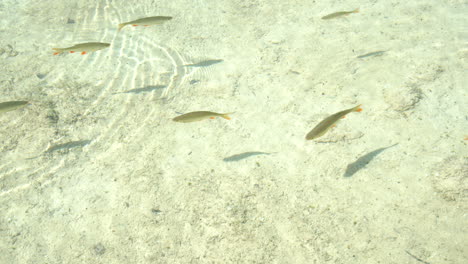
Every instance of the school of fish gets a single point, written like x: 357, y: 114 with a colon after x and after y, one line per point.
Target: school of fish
x: 317, y: 131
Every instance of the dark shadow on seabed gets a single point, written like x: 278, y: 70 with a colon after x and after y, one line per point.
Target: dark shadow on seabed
x: 362, y: 161
x: 203, y: 63
x: 143, y: 89
x: 244, y: 155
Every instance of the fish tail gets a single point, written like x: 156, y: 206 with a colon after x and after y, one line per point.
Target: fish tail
x: 57, y: 51
x: 226, y: 116
x: 357, y: 108
x: 121, y: 26
x: 356, y: 10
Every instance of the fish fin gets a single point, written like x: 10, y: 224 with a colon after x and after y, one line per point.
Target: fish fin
x: 356, y: 10
x: 71, y: 51
x: 135, y: 25
x: 121, y: 26
x: 83, y: 53
x: 212, y: 117
x: 343, y: 117
x: 146, y: 25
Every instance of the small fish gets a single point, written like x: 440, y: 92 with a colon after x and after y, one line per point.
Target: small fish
x: 144, y: 89
x: 199, y: 115
x: 68, y: 145
x: 244, y: 155
x: 375, y: 53
x: 329, y: 122
x: 12, y: 105
x: 83, y: 48
x: 362, y: 161
x: 147, y: 21
x: 63, y: 146
x: 203, y: 63
x: 342, y: 13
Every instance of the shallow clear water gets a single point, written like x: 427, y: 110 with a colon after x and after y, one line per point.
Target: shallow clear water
x: 94, y: 170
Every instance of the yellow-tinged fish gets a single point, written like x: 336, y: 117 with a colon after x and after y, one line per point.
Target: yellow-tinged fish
x: 83, y: 48
x: 147, y: 21
x: 200, y: 115
x: 12, y: 105
x: 329, y: 122
x: 342, y: 13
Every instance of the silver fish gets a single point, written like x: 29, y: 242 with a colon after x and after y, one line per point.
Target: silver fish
x: 68, y: 145
x: 64, y: 146
x: 147, y: 21
x: 200, y: 115
x: 83, y: 48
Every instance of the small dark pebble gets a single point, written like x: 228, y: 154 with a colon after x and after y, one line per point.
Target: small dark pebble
x: 70, y: 21
x: 194, y: 81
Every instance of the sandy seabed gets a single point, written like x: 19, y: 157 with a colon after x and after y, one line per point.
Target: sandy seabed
x: 94, y: 171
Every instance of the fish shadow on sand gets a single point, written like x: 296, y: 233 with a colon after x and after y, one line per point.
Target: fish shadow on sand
x: 205, y: 63
x: 362, y: 161
x: 65, y: 147
x: 145, y: 89
x: 370, y: 54
x: 244, y: 155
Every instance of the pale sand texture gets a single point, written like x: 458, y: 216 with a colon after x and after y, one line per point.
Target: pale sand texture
x: 149, y: 190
